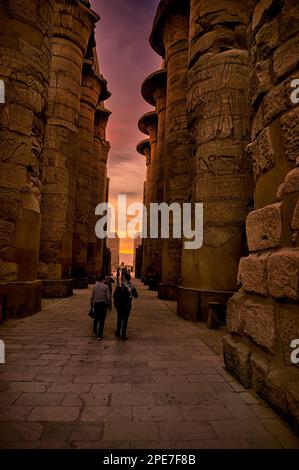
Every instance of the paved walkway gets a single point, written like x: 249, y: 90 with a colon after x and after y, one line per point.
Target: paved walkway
x: 164, y: 388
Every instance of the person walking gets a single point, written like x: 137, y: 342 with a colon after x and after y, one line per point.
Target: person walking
x: 123, y: 296
x: 100, y: 300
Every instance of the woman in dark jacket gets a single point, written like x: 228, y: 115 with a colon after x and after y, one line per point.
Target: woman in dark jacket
x: 123, y: 296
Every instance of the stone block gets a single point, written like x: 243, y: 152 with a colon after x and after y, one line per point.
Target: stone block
x: 289, y: 330
x: 291, y: 182
x: 261, y: 366
x: 234, y: 320
x: 264, y: 228
x: 253, y: 273
x: 237, y: 359
x: 276, y: 390
x: 259, y: 324
x: 289, y: 124
x: 283, y: 274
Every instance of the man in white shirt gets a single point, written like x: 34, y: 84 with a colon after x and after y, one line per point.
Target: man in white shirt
x: 100, y: 300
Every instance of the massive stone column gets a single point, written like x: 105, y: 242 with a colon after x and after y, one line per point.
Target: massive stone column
x: 25, y: 56
x: 148, y: 125
x: 263, y: 317
x: 169, y: 38
x: 99, y: 189
x: 144, y: 148
x: 218, y: 117
x: 154, y: 92
x: 74, y: 23
x: 87, y: 173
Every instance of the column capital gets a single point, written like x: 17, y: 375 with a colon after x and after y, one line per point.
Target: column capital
x: 155, y: 81
x: 147, y: 121
x: 166, y: 9
x: 144, y: 148
x: 74, y: 21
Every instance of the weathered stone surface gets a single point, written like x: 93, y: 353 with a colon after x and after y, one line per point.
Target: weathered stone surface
x: 237, y: 359
x: 234, y: 311
x: 253, y: 273
x: 264, y: 227
x: 283, y: 274
x: 261, y: 366
x: 262, y: 153
x: 260, y: 325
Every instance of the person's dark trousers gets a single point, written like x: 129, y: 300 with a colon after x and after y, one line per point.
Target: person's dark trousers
x: 122, y: 321
x: 100, y: 311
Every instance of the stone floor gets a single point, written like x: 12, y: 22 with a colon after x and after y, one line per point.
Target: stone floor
x: 164, y: 388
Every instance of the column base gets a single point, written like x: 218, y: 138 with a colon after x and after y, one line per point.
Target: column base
x: 57, y: 288
x: 153, y: 284
x: 80, y: 283
x: 193, y: 304
x: 167, y: 291
x: 20, y: 299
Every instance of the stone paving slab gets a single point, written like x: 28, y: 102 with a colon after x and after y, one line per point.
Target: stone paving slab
x: 164, y: 388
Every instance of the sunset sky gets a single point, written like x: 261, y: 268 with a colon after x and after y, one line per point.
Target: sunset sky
x: 126, y: 59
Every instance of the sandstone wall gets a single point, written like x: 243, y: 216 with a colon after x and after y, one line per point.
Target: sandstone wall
x: 263, y: 317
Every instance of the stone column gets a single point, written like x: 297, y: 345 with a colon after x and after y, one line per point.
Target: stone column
x: 74, y: 23
x: 87, y: 172
x: 25, y: 56
x: 101, y: 149
x: 263, y: 317
x: 144, y: 148
x: 154, y: 92
x: 148, y: 125
x: 169, y: 38
x: 218, y: 117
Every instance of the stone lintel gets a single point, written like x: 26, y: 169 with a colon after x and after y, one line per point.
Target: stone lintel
x: 153, y: 82
x: 165, y: 10
x: 146, y: 121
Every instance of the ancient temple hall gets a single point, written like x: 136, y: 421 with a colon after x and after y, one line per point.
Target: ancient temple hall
x: 212, y: 357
